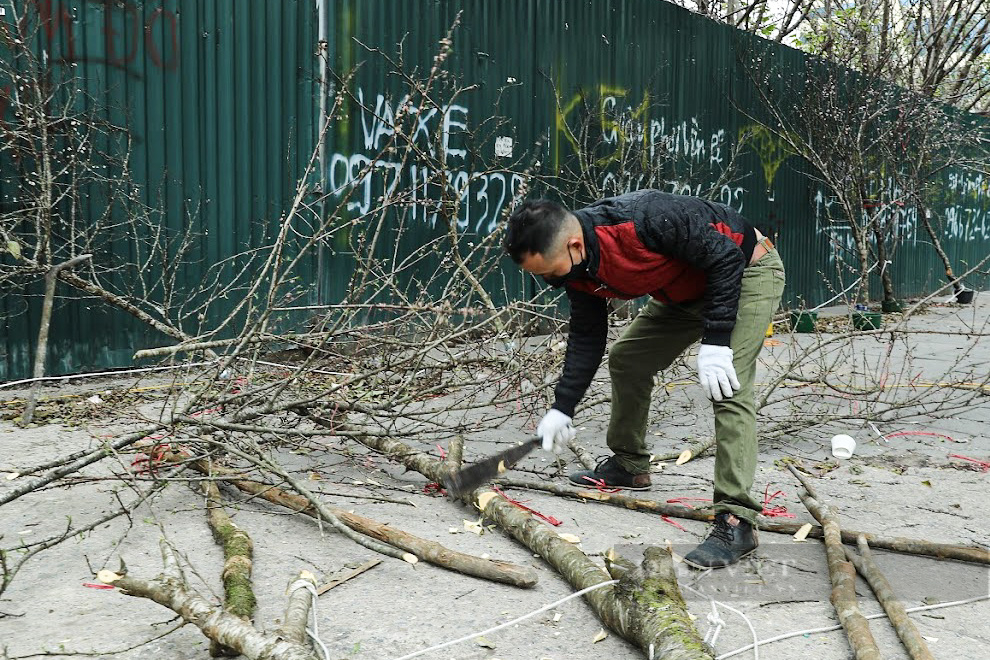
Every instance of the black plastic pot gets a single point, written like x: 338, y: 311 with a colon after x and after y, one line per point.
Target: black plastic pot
x: 965, y: 296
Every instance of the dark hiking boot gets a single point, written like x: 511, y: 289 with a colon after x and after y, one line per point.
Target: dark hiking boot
x: 609, y: 474
x: 729, y: 540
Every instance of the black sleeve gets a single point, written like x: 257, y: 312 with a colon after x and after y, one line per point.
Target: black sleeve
x: 690, y: 237
x: 585, y: 348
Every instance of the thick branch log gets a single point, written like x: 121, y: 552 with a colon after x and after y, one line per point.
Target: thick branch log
x: 455, y: 453
x: 905, y: 628
x: 430, y: 551
x: 901, y: 544
x: 893, y: 543
x: 843, y: 577
x: 582, y: 454
x: 238, y: 551
x: 222, y: 627
x: 302, y: 591
x: 413, y: 459
x: 697, y: 449
x: 644, y: 608
x: 615, y: 499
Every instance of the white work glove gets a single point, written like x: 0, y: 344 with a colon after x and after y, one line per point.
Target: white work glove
x: 555, y: 429
x: 715, y: 371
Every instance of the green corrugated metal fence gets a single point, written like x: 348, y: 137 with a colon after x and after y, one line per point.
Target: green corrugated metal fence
x: 224, y: 97
x: 217, y: 99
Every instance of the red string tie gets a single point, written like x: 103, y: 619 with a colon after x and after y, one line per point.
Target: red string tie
x: 928, y: 433
x: 599, y: 485
x: 774, y: 511
x: 985, y: 465
x: 433, y: 488
x: 550, y: 519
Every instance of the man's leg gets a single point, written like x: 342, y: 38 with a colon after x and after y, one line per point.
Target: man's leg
x: 735, y: 418
x: 651, y: 342
x: 733, y: 534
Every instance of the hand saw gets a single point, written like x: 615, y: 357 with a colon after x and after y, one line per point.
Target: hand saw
x: 476, y: 474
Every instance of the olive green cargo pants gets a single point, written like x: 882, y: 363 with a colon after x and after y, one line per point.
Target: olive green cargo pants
x: 654, y: 340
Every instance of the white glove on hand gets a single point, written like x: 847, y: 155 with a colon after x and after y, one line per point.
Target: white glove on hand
x: 715, y: 371
x: 555, y: 429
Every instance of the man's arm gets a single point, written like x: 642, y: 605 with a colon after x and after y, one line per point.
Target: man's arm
x: 585, y: 348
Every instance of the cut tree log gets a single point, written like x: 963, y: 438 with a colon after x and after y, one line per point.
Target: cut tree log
x: 170, y: 590
x: 646, y: 607
x: 842, y: 575
x: 301, y: 592
x: 900, y: 544
x: 430, y: 551
x: 582, y: 454
x: 238, y: 551
x: 903, y: 626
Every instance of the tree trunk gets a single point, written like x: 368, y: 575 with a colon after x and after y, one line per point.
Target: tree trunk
x: 41, y: 350
x: 879, y: 233
x: 843, y: 578
x: 937, y: 244
x: 301, y: 591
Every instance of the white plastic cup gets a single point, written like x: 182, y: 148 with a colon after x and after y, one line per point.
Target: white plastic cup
x: 843, y: 445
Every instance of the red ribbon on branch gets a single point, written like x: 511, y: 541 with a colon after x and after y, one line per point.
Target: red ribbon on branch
x: 550, y: 519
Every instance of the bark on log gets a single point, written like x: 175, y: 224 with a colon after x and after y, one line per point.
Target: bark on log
x: 238, y: 551
x: 430, y: 551
x: 843, y: 578
x: 903, y: 626
x: 455, y: 453
x: 615, y: 499
x: 582, y: 454
x: 301, y: 591
x: 697, y: 449
x: 645, y: 607
x: 171, y: 591
x: 900, y: 544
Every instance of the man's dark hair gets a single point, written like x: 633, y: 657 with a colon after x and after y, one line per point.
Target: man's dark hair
x: 532, y: 228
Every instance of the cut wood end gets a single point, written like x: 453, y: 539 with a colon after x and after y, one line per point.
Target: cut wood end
x: 501, y: 467
x: 107, y: 577
x: 485, y: 498
x: 410, y: 558
x: 802, y: 533
x: 685, y: 456
x: 570, y: 538
x: 306, y: 575
x: 600, y: 636
x: 13, y: 475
